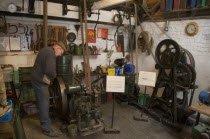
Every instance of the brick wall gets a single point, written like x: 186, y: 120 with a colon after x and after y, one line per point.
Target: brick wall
x: 198, y: 45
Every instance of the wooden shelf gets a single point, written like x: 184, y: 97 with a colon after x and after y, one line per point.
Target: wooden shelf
x: 90, y: 55
x: 187, y: 13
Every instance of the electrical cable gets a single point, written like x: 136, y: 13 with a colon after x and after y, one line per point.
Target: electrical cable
x: 97, y: 19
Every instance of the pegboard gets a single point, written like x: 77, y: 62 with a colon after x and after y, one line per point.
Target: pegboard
x: 31, y: 36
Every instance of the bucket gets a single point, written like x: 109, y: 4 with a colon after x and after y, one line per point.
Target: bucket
x: 118, y: 71
x: 143, y: 99
x: 129, y: 68
x: 111, y: 71
x: 204, y: 97
x: 78, y: 50
x: 64, y: 68
x: 201, y: 3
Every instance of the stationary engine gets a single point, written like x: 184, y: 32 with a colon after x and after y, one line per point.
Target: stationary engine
x: 72, y: 102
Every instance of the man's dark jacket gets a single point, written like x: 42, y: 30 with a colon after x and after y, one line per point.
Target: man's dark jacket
x: 45, y: 64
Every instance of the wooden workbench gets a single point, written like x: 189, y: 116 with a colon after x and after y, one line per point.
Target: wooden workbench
x: 201, y: 109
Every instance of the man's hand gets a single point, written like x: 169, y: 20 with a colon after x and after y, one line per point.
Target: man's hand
x: 46, y: 80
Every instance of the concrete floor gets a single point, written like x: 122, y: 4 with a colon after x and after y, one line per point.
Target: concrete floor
x: 129, y: 128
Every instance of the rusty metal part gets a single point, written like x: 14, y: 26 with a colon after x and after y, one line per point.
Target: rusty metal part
x: 90, y: 130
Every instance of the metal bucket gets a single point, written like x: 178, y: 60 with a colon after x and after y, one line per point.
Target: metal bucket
x: 64, y: 68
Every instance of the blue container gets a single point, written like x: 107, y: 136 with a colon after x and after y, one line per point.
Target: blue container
x: 169, y: 5
x: 129, y: 68
x: 204, y: 97
x: 191, y: 3
x: 118, y: 71
x: 8, y: 115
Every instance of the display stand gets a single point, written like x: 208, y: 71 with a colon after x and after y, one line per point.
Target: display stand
x: 115, y: 84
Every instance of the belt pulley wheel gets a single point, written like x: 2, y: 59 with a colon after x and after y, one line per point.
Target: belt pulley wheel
x: 62, y: 100
x: 168, y: 53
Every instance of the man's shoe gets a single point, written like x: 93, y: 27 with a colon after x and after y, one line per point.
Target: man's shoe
x: 51, y: 133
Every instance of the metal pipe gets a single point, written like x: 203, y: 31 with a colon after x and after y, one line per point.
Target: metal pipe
x: 86, y: 50
x: 45, y: 23
x: 136, y: 38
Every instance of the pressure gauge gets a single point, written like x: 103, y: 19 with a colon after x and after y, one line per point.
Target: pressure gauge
x: 191, y: 29
x: 13, y: 8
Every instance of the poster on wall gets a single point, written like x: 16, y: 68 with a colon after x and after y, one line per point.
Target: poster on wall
x: 102, y: 33
x: 91, y: 36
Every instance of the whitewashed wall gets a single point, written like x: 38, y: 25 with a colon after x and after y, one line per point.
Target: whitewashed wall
x: 198, y: 45
x: 24, y: 59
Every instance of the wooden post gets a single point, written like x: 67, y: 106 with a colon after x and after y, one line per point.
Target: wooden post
x: 45, y: 23
x: 87, y: 65
x: 136, y: 38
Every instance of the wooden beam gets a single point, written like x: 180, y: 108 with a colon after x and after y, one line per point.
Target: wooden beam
x: 107, y: 3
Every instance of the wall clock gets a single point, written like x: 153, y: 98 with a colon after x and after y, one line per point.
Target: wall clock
x: 191, y: 29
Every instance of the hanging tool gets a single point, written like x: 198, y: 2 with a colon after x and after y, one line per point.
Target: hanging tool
x: 71, y: 37
x: 14, y: 26
x: 31, y: 33
x: 77, y: 28
x: 27, y: 36
x: 31, y: 8
x: 21, y: 26
x: 120, y: 42
x: 106, y: 49
x: 23, y: 5
x: 3, y: 24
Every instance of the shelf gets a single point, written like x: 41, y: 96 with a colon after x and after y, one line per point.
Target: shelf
x: 187, y: 13
x: 90, y: 55
x: 54, y: 18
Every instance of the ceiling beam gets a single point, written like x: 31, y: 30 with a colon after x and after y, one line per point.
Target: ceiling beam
x: 107, y: 3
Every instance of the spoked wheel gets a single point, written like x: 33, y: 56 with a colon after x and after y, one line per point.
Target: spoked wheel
x: 168, y: 54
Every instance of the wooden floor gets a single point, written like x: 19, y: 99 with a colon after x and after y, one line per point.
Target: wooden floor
x: 129, y: 128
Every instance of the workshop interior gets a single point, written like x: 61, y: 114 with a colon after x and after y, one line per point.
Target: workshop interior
x: 131, y: 69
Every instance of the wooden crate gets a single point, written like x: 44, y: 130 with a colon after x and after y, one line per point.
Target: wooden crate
x: 6, y: 130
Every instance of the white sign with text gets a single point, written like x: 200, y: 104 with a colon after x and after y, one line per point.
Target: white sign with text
x: 115, y: 84
x: 147, y: 78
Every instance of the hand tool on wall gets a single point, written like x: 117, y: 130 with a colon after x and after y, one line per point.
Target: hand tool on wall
x: 31, y: 8
x: 23, y: 5
x: 31, y: 33
x: 13, y: 27
x: 120, y: 42
x: 23, y: 28
x: 77, y: 28
x: 106, y: 49
x: 3, y: 24
x: 27, y: 36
